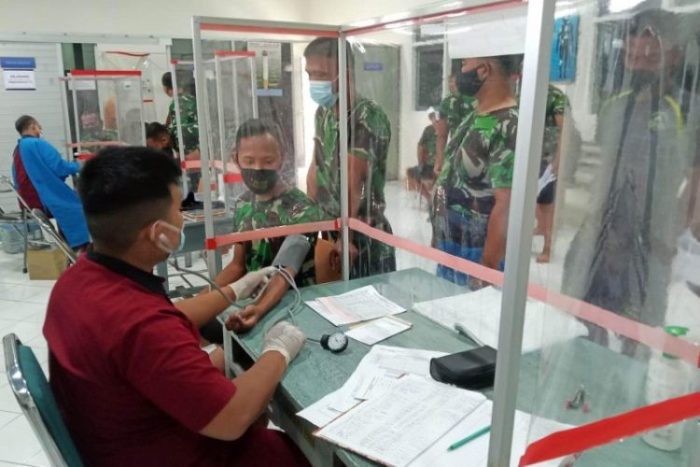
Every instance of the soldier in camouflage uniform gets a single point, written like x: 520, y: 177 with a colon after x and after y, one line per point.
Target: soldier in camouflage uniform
x: 451, y: 113
x: 369, y: 133
x: 473, y: 189
x: 189, y: 147
x: 421, y: 177
x: 269, y: 203
x: 557, y: 104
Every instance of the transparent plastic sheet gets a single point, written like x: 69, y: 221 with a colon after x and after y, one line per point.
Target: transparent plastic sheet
x: 150, y: 72
x: 183, y: 125
x: 106, y: 109
x: 625, y: 228
x: 257, y: 109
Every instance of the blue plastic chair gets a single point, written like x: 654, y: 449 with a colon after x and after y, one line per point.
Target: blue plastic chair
x: 34, y: 396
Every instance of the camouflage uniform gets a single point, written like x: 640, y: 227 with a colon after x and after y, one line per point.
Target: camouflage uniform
x: 190, y: 125
x: 557, y: 104
x: 369, y: 135
x: 290, y: 207
x: 190, y: 132
x: 478, y: 160
x: 455, y: 108
x: 429, y: 141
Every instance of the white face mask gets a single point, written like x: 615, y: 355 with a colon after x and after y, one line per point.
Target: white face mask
x: 686, y: 264
x: 162, y: 240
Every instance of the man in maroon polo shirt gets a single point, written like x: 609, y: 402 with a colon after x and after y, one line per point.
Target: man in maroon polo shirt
x: 125, y: 363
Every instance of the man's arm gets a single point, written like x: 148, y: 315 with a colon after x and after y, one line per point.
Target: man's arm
x: 205, y: 307
x: 251, y: 314
x: 235, y: 269
x: 495, y: 245
x: 422, y: 154
x: 256, y: 386
x: 53, y: 160
x: 441, y: 131
x: 254, y: 389
x: 311, y: 188
x: 559, y: 121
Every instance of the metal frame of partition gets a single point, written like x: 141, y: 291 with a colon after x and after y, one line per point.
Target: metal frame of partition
x: 94, y: 75
x: 540, y: 19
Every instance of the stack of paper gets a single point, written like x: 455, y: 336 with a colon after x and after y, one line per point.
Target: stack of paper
x: 361, y: 304
x: 480, y: 313
x: 378, y: 371
x: 390, y: 411
x: 475, y: 453
x: 377, y: 330
x: 397, y: 427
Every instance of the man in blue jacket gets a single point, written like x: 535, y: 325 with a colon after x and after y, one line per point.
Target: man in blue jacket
x: 39, y: 174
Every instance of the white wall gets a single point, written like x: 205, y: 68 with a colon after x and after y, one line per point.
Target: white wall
x: 160, y: 18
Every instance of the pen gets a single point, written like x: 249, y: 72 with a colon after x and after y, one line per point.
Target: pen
x: 469, y: 438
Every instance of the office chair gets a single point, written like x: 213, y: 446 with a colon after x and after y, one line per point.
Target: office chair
x: 34, y: 395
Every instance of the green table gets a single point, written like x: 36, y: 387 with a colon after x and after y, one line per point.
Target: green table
x: 317, y: 372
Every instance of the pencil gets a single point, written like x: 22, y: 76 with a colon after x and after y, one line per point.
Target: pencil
x: 469, y: 438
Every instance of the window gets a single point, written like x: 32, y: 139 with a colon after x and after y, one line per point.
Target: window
x: 429, y: 75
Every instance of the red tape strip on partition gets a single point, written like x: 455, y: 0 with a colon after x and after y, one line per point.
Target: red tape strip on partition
x: 281, y: 231
x: 655, y: 338
x: 611, y: 429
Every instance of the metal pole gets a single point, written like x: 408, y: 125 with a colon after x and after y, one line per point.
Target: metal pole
x: 222, y: 127
x: 76, y: 118
x: 213, y: 260
x: 178, y: 126
x: 343, y: 137
x: 116, y: 107
x: 236, y: 109
x: 66, y: 118
x: 143, y: 120
x: 528, y: 151
x: 254, y: 86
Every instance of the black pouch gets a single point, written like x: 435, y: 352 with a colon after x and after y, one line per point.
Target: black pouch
x: 471, y: 369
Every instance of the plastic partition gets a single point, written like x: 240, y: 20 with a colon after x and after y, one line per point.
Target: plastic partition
x: 581, y: 340
x: 106, y: 106
x: 625, y: 85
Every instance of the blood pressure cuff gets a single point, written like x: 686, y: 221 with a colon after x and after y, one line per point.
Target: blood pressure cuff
x: 471, y: 369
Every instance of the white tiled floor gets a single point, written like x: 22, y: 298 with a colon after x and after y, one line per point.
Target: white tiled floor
x: 22, y: 310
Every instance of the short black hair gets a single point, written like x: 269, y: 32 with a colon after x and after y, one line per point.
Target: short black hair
x: 123, y: 189
x: 328, y: 47
x: 257, y: 127
x: 508, y: 63
x: 23, y: 123
x: 167, y: 80
x: 156, y: 129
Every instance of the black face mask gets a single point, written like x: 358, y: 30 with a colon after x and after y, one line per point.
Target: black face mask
x: 469, y: 83
x: 260, y: 181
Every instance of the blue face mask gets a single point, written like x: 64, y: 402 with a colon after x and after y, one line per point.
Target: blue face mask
x: 322, y: 93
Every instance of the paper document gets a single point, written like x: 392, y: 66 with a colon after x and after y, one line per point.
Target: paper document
x: 475, y: 453
x: 397, y: 427
x: 361, y: 304
x: 376, y: 374
x: 480, y: 313
x: 377, y: 330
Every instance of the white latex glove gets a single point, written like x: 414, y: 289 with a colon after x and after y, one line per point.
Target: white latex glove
x: 247, y: 285
x: 284, y: 338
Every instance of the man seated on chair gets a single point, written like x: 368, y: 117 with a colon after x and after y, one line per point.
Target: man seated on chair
x: 39, y: 174
x: 125, y: 362
x: 421, y: 177
x: 269, y: 203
